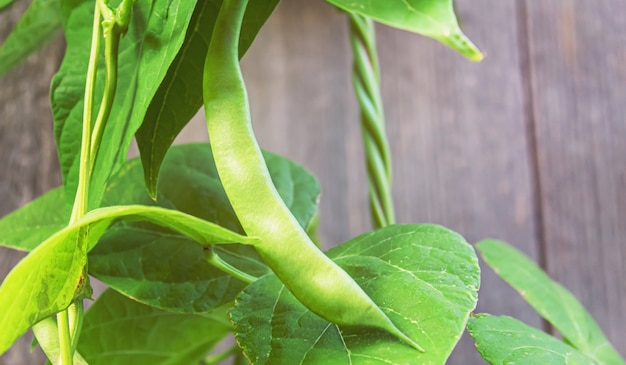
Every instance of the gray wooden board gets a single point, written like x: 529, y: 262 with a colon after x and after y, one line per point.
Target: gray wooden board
x: 577, y: 55
x: 28, y: 162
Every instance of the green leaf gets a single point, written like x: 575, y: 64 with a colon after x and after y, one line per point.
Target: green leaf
x: 155, y: 35
x: 42, y: 284
x: 424, y: 277
x: 167, y: 270
x: 37, y: 27
x: 25, y: 228
x: 120, y: 331
x: 164, y: 270
x: 5, y: 3
x: 551, y: 300
x: 505, y: 340
x: 45, y: 281
x: 180, y: 95
x: 431, y: 18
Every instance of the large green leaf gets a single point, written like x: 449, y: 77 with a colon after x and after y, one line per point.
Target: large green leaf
x: 47, y: 280
x: 38, y: 26
x: 180, y: 95
x: 167, y: 270
x: 505, y: 340
x: 424, y: 277
x: 120, y: 331
x: 156, y: 33
x: 551, y: 300
x: 25, y: 228
x: 432, y: 18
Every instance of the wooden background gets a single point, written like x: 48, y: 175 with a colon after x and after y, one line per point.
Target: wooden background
x: 528, y: 146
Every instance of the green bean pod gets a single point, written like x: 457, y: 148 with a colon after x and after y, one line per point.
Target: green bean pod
x: 314, y: 279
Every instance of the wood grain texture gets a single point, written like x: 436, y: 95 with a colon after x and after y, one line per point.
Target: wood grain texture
x: 577, y: 54
x: 28, y: 162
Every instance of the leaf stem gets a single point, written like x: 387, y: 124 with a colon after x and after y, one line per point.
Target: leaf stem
x: 65, y: 341
x: 366, y: 82
x: 215, y: 260
x: 68, y: 339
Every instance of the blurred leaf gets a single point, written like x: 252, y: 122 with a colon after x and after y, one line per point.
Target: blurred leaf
x: 155, y: 35
x: 431, y: 18
x: 551, y: 300
x: 180, y: 94
x: 505, y: 340
x: 28, y: 226
x: 37, y: 27
x: 424, y: 277
x: 5, y: 3
x: 120, y: 331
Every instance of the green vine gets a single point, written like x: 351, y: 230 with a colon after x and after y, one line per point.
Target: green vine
x: 366, y: 80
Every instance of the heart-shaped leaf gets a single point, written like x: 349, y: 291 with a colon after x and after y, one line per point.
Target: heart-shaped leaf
x: 550, y: 299
x: 424, y: 277
x: 120, y: 331
x: 431, y: 18
x: 505, y: 340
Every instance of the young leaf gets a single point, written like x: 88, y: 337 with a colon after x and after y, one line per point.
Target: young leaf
x: 30, y: 225
x: 45, y: 282
x: 551, y: 300
x: 431, y: 18
x: 156, y: 33
x: 42, y: 284
x: 505, y: 340
x: 120, y: 331
x: 424, y: 277
x: 180, y: 94
x: 38, y: 26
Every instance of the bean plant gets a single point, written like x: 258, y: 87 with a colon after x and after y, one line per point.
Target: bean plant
x: 197, y: 242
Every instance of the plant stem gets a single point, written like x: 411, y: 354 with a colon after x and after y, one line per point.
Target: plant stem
x: 366, y: 80
x: 217, y: 261
x: 68, y: 343
x: 65, y: 341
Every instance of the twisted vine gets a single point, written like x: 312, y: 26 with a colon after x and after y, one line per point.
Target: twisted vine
x: 366, y: 82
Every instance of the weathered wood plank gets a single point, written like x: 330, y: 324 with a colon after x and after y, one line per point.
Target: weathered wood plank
x: 28, y: 162
x: 577, y: 57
